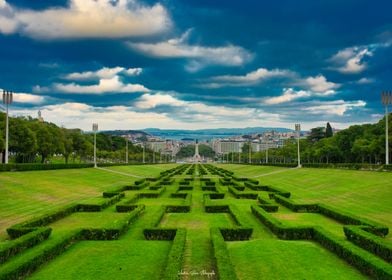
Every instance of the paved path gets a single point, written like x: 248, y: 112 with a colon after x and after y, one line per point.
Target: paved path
x: 119, y: 172
x: 275, y: 172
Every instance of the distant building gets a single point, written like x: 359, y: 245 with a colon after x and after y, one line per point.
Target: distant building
x: 40, y: 118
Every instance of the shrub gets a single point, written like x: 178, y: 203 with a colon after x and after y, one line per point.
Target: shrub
x: 236, y: 234
x: 159, y: 234
x: 10, y: 249
x: 175, y: 257
x: 369, y: 242
x: 221, y: 256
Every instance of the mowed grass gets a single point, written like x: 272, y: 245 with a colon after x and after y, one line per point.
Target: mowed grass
x: 95, y: 260
x: 363, y: 193
x: 27, y: 194
x: 278, y: 259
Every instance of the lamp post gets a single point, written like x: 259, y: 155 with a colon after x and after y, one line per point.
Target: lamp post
x: 7, y: 100
x: 250, y: 152
x: 144, y: 153
x: 266, y: 153
x: 298, y: 130
x: 153, y: 153
x: 386, y: 98
x: 126, y: 151
x: 95, y: 129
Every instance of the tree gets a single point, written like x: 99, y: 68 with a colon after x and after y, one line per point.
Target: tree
x: 328, y: 130
x: 316, y: 134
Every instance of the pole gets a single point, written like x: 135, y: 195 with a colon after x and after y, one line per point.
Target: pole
x: 7, y: 100
x: 298, y: 129
x: 266, y: 155
x: 386, y: 98
x: 95, y: 129
x: 386, y: 136
x: 144, y: 154
x: 126, y: 150
x: 250, y: 152
x: 6, y: 135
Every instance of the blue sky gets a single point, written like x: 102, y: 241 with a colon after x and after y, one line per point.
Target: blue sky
x: 132, y: 64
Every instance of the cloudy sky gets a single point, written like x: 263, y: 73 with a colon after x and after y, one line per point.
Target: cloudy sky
x: 131, y: 64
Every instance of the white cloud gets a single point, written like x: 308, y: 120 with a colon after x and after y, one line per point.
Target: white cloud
x: 287, y: 96
x: 150, y: 101
x: 86, y: 19
x: 104, y: 73
x: 27, y: 97
x: 337, y: 107
x: 228, y: 55
x: 364, y: 81
x: 351, y: 60
x: 112, y: 85
x: 321, y: 85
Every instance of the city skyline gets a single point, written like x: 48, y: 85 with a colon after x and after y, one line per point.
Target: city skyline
x: 132, y: 64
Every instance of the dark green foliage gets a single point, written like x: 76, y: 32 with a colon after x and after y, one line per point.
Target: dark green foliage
x: 10, y: 249
x: 369, y: 242
x: 241, y: 194
x: 96, y: 207
x: 178, y: 208
x: 221, y: 256
x: 159, y: 234
x: 296, y: 207
x: 236, y: 234
x: 209, y: 188
x: 328, y: 130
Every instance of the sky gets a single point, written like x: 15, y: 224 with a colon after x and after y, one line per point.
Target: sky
x: 134, y: 64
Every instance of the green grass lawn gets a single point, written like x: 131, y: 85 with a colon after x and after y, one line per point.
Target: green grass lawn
x: 364, y: 193
x: 264, y: 256
x: 27, y: 194
x: 277, y: 259
x: 94, y: 260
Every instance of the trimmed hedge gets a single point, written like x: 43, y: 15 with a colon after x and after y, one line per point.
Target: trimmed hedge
x: 28, y: 226
x: 236, y: 234
x: 175, y: 257
x: 222, y: 260
x: 14, y: 247
x: 99, y: 206
x: 159, y: 233
x: 209, y: 188
x: 355, y: 256
x: 296, y: 207
x: 369, y: 242
x: 350, y: 219
x: 21, y: 267
x: 240, y: 194
x: 178, y: 208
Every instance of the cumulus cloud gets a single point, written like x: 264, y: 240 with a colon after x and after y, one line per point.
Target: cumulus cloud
x: 86, y: 19
x: 351, y: 60
x: 228, y: 55
x: 321, y: 85
x: 150, y: 101
x: 287, y: 96
x: 104, y: 73
x: 27, y: 98
x: 337, y: 107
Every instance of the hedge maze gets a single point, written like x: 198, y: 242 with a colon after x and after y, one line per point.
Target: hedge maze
x: 196, y: 222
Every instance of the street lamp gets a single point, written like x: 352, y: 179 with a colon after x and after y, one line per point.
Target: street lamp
x: 386, y: 98
x: 7, y: 100
x: 250, y: 152
x: 266, y: 153
x: 144, y: 153
x: 298, y: 130
x: 95, y: 129
x: 126, y: 151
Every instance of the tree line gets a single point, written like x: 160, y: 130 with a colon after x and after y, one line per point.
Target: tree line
x: 31, y: 140
x: 356, y: 144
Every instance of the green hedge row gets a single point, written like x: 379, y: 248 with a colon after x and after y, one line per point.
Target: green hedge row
x: 281, y: 230
x: 236, y: 234
x: 21, y: 267
x: 152, y: 194
x: 175, y: 257
x: 159, y: 233
x: 374, y: 244
x: 14, y: 247
x: 99, y: 206
x: 296, y: 207
x: 25, y: 227
x: 350, y: 219
x: 354, y: 166
x: 222, y: 260
x: 209, y: 188
x: 185, y: 188
x: 355, y: 256
x: 178, y: 209
x: 240, y: 194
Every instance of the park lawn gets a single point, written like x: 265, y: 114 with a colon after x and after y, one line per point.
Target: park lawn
x: 107, y: 259
x: 143, y: 170
x: 278, y: 259
x: 363, y: 193
x: 24, y: 195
